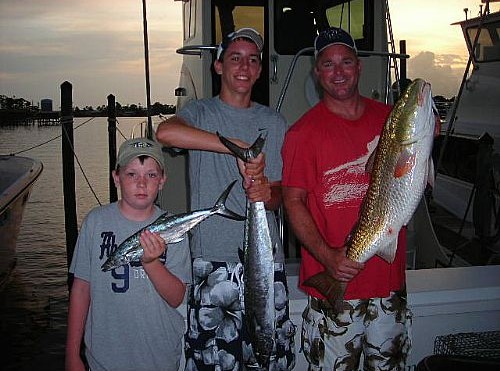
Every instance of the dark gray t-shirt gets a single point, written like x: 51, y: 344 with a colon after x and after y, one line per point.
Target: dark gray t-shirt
x: 129, y: 326
x: 219, y: 238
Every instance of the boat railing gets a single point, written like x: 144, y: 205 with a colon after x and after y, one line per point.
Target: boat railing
x: 195, y: 49
x: 361, y: 53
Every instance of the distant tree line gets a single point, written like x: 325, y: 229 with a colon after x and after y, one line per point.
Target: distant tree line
x: 133, y: 110
x: 23, y: 106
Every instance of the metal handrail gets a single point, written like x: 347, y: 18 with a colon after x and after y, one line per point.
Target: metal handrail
x: 195, y: 49
x: 361, y: 53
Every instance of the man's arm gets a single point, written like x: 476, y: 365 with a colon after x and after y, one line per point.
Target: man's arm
x: 334, y: 259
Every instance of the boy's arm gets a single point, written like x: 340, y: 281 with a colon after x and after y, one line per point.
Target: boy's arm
x: 168, y: 285
x: 79, y: 303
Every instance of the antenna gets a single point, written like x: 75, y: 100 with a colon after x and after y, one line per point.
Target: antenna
x: 149, y: 130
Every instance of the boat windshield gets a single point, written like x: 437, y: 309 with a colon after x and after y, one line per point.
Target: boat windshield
x: 297, y: 22
x: 488, y: 43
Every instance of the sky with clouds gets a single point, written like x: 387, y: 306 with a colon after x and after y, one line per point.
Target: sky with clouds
x: 98, y: 47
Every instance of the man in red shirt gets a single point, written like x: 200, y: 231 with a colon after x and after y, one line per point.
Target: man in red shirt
x: 324, y: 181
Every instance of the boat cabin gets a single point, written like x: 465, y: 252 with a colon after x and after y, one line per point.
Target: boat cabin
x: 288, y: 28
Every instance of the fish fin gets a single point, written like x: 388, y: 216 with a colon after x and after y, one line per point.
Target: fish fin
x: 405, y: 164
x: 244, y: 153
x: 329, y: 287
x: 370, y: 162
x: 178, y: 239
x: 388, y: 252
x: 220, y: 205
x: 241, y: 255
x: 257, y: 146
x: 431, y: 176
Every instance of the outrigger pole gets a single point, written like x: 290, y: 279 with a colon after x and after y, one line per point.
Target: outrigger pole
x: 149, y: 129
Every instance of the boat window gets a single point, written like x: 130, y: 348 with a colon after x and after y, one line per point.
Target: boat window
x: 295, y: 26
x: 189, y: 13
x: 459, y: 159
x: 228, y: 16
x: 488, y: 47
x: 297, y: 22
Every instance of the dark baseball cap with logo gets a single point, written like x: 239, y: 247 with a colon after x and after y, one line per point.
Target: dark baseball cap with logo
x: 333, y: 36
x: 245, y: 33
x: 136, y: 147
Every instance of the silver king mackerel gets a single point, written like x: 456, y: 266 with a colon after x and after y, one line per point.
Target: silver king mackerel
x: 172, y: 228
x: 402, y: 167
x: 258, y: 268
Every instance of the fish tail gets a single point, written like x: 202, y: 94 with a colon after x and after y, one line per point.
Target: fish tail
x: 244, y: 153
x: 220, y: 206
x: 329, y: 287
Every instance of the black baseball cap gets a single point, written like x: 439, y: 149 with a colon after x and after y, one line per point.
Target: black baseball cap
x: 333, y: 36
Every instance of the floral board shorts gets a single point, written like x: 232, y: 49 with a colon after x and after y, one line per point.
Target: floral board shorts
x: 379, y: 328
x: 216, y: 337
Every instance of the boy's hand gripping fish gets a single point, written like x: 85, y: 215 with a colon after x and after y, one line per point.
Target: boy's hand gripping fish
x: 172, y: 228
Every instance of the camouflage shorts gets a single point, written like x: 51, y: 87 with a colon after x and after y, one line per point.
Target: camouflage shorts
x: 216, y: 337
x: 379, y: 328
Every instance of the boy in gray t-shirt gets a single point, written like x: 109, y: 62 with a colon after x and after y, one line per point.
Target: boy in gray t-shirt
x: 127, y: 316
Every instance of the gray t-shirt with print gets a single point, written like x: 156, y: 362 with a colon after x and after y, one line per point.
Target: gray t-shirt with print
x: 128, y: 326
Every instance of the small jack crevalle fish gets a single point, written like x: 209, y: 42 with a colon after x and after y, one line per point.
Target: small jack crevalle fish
x: 402, y: 167
x: 172, y: 228
x: 258, y: 264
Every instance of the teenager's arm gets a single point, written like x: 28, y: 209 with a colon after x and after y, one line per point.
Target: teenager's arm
x: 177, y: 132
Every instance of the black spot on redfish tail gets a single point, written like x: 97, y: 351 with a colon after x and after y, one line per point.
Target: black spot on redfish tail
x: 329, y: 287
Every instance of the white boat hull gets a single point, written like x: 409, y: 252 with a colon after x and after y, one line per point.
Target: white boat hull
x: 18, y: 175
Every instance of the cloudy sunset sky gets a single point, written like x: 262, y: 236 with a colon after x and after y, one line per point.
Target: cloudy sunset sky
x: 98, y: 47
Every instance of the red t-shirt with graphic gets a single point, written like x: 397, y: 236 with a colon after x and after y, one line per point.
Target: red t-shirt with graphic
x: 326, y: 155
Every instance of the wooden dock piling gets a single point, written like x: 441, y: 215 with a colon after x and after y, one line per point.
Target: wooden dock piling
x: 113, y: 193
x: 69, y: 189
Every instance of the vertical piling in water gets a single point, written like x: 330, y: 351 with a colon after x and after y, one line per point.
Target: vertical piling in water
x: 113, y: 193
x: 403, y: 81
x: 68, y: 164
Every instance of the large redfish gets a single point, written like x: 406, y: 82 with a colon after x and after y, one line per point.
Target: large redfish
x: 402, y: 167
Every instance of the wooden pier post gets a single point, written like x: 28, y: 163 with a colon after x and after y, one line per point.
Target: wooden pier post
x: 113, y: 193
x: 403, y: 80
x: 71, y: 224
